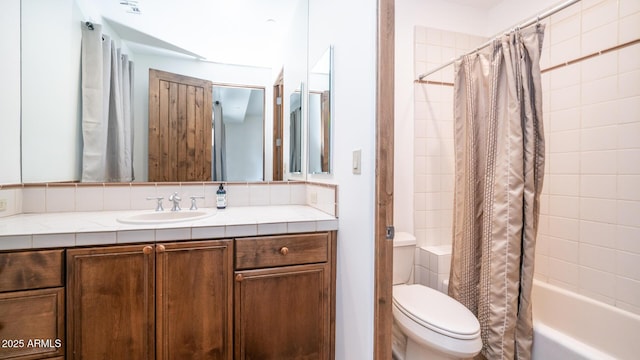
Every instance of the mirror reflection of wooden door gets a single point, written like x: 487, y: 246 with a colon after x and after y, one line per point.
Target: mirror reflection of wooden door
x: 325, y: 131
x: 180, y: 111
x: 278, y: 121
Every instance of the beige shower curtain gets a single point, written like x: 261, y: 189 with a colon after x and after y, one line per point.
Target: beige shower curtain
x: 499, y: 157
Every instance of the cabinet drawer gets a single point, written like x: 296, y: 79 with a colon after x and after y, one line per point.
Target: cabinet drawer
x: 270, y: 251
x: 32, y: 324
x: 31, y: 270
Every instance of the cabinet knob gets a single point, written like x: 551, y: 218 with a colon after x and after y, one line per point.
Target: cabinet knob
x: 239, y: 277
x: 160, y: 248
x: 147, y: 250
x: 284, y: 250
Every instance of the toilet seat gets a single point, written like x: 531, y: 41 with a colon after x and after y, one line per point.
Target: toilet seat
x: 436, y: 311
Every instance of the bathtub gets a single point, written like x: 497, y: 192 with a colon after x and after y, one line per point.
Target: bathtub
x: 567, y: 325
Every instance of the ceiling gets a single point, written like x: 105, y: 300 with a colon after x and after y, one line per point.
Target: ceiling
x: 245, y: 32
x: 480, y: 4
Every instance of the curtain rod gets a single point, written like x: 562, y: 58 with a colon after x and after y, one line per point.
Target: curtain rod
x: 531, y: 21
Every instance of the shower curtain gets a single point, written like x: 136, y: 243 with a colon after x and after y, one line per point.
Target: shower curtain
x: 295, y: 134
x: 499, y: 160
x: 107, y: 109
x: 218, y: 156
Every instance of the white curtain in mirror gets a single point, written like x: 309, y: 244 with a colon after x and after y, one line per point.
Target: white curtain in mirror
x: 295, y: 138
x: 219, y: 166
x: 107, y: 127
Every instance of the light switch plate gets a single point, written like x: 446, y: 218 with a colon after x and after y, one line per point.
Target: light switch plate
x: 357, y: 162
x: 3, y: 204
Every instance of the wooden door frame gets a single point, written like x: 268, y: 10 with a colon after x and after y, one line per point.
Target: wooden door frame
x: 383, y: 318
x: 278, y: 131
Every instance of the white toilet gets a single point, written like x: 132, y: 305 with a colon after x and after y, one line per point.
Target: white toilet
x: 435, y: 325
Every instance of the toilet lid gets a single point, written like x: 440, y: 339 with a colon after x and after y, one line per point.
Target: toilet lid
x: 436, y: 311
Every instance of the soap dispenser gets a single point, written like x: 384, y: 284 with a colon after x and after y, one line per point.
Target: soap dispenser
x: 221, y: 197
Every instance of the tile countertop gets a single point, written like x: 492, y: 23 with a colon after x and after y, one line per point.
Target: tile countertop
x: 47, y: 230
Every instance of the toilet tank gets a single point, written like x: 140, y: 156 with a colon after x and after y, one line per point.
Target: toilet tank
x: 404, y: 249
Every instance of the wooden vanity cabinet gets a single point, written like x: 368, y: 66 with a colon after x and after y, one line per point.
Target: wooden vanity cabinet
x: 110, y: 302
x: 163, y: 301
x: 284, y: 305
x: 32, y: 305
x: 194, y: 300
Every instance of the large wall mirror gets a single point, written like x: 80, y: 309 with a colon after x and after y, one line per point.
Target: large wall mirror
x: 320, y: 124
x: 162, y: 36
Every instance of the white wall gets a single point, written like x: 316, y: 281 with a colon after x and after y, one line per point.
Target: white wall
x: 244, y: 157
x: 294, y: 63
x: 51, y: 112
x: 351, y: 27
x: 10, y: 92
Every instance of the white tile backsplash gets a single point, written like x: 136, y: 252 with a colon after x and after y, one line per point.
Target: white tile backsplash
x: 237, y: 195
x: 34, y: 199
x: 98, y: 197
x: 60, y: 199
x: 259, y: 195
x: 117, y: 197
x: 89, y: 198
x: 13, y: 198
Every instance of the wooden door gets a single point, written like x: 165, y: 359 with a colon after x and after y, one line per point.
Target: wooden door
x: 283, y: 313
x: 278, y: 121
x: 180, y: 111
x: 110, y: 307
x: 194, y: 300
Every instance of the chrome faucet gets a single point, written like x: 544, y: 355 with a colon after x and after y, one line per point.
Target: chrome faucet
x: 175, y: 199
x: 159, y: 200
x: 194, y: 206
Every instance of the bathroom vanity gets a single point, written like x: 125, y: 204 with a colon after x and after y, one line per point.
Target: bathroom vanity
x: 229, y: 288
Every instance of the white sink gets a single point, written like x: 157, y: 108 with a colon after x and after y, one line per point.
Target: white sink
x: 163, y: 217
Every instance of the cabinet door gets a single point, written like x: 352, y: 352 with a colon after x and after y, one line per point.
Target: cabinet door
x: 32, y: 324
x: 194, y: 300
x: 110, y: 303
x: 283, y: 313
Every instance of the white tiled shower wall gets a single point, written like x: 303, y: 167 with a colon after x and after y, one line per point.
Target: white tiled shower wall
x: 589, y: 234
x: 433, y: 134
